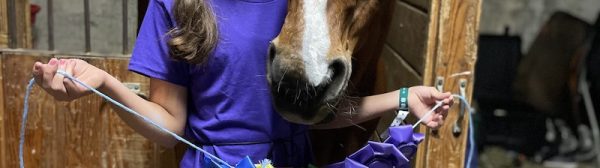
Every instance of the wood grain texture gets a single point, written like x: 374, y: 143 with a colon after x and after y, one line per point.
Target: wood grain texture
x: 408, y: 35
x: 454, y: 51
x: 3, y: 24
x: 428, y: 76
x: 23, y: 24
x: 2, y: 111
x: 23, y: 15
x: 83, y: 127
x: 15, y: 71
x: 82, y: 133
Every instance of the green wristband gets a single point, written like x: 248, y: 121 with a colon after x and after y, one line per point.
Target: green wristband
x: 403, y: 99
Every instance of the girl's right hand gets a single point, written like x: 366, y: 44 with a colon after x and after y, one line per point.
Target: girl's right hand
x: 62, y: 88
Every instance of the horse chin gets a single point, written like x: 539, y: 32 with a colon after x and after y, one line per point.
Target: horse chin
x: 319, y: 115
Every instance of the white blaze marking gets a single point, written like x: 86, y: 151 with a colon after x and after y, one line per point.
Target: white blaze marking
x: 315, y: 41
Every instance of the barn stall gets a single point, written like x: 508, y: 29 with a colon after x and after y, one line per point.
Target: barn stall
x: 431, y: 42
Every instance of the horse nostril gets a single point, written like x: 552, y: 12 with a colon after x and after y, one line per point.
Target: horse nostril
x: 341, y: 74
x: 338, y: 68
x: 271, y: 57
x: 271, y: 51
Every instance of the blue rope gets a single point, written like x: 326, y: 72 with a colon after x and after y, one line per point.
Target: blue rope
x: 471, y: 131
x: 23, y: 122
x: 147, y: 120
x: 32, y: 81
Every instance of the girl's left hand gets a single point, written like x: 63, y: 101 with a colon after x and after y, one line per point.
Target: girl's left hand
x: 421, y: 99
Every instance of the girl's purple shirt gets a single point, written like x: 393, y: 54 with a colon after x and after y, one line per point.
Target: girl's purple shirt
x: 229, y: 104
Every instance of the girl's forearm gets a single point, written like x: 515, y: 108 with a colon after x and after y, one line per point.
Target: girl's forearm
x: 116, y: 90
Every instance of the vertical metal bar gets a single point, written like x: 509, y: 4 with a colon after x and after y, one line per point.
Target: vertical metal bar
x: 125, y: 37
x: 86, y: 13
x: 50, y: 13
x: 12, y: 24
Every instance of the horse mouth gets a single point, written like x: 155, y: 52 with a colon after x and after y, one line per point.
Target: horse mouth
x: 300, y: 103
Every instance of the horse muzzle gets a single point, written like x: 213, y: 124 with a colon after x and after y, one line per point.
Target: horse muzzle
x: 297, y: 96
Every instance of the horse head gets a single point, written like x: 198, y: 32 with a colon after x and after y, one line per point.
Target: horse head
x: 311, y: 59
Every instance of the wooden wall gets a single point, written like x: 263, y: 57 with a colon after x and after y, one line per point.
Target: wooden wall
x: 403, y: 56
x: 430, y: 39
x: 3, y: 25
x: 82, y: 133
x: 23, y: 24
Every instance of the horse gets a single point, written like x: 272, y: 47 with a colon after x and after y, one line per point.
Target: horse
x: 324, y: 58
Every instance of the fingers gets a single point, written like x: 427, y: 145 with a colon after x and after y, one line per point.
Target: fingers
x: 439, y: 95
x: 436, y: 122
x: 57, y: 81
x: 48, y: 72
x: 37, y: 71
x: 46, y: 77
x: 69, y: 84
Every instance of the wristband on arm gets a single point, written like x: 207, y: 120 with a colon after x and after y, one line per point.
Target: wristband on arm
x: 403, y: 99
x: 402, y: 107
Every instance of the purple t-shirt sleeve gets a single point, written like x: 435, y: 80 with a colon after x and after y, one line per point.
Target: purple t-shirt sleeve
x: 150, y: 56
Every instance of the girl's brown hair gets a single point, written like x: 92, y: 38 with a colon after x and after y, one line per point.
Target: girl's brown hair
x: 195, y: 35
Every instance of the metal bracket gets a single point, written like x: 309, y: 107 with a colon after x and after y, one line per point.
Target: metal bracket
x: 136, y: 88
x: 456, y: 129
x: 439, y: 83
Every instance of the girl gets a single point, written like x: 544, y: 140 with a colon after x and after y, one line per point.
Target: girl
x: 194, y: 55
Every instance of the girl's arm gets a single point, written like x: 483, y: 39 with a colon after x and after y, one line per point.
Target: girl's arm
x: 167, y: 105
x: 420, y: 100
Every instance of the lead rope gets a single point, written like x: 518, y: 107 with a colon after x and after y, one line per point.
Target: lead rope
x: 147, y: 120
x: 471, y: 132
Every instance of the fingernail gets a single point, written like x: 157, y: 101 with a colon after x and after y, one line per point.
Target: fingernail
x: 62, y: 62
x: 52, y: 62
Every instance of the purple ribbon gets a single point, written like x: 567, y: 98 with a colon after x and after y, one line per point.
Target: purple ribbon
x: 396, y: 151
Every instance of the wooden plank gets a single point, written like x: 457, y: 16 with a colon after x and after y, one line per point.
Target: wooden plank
x: 393, y: 73
x: 408, y: 35
x: 428, y: 76
x: 453, y: 51
x: 16, y: 69
x: 423, y: 5
x: 82, y: 128
x: 22, y: 24
x: 400, y: 73
x: 3, y: 25
x: 2, y: 111
x: 23, y: 15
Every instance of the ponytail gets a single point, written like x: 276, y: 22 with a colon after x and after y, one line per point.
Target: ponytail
x: 196, y: 35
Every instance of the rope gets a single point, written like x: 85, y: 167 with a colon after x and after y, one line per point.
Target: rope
x: 437, y: 105
x: 23, y: 122
x: 127, y: 109
x: 471, y: 131
x: 147, y: 120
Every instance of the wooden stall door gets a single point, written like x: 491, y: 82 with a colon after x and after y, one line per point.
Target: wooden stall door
x: 82, y: 133
x: 430, y: 40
